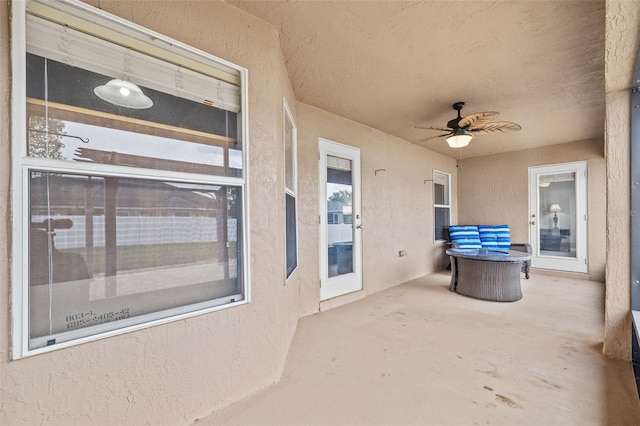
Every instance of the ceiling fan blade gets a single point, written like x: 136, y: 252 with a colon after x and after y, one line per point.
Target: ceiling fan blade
x: 476, y: 119
x: 432, y: 137
x: 442, y: 129
x: 496, y: 127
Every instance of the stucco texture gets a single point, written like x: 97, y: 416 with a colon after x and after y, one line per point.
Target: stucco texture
x: 495, y: 189
x: 181, y: 371
x: 622, y: 38
x: 178, y: 372
x: 397, y: 211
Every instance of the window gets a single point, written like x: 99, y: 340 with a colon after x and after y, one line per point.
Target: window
x: 290, y: 190
x: 129, y: 180
x: 441, y: 204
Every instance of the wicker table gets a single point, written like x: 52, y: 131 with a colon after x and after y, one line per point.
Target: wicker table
x: 486, y: 274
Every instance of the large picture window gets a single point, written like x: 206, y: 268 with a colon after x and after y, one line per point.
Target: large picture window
x: 129, y: 182
x: 441, y: 204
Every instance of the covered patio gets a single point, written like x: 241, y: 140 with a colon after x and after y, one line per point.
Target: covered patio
x: 376, y: 77
x: 420, y: 354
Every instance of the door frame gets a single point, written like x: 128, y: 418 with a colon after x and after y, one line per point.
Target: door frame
x: 579, y: 263
x: 339, y: 285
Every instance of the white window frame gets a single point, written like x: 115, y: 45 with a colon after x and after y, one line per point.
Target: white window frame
x: 169, y: 50
x: 293, y: 192
x: 441, y: 206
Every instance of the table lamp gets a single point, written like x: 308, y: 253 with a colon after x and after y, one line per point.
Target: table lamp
x: 555, y: 208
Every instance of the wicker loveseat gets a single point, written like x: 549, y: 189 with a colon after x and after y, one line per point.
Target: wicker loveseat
x: 491, y: 237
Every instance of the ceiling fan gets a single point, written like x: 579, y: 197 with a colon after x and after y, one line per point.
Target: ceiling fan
x: 461, y: 130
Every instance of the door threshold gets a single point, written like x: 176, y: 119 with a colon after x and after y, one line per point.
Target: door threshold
x: 561, y: 274
x: 325, y: 305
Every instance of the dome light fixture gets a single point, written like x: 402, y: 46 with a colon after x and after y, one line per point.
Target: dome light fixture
x: 123, y: 93
x: 459, y: 139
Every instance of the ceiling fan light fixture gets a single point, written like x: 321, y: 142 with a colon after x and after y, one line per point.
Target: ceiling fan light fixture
x: 123, y: 93
x: 459, y: 140
x: 461, y: 130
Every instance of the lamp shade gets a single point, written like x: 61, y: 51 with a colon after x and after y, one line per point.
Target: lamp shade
x: 459, y: 140
x: 554, y: 208
x: 124, y: 94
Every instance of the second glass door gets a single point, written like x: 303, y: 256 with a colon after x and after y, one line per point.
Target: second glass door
x: 558, y: 216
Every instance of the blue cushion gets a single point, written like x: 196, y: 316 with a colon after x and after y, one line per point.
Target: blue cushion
x: 465, y: 237
x: 495, y: 236
x: 459, y: 232
x: 489, y: 241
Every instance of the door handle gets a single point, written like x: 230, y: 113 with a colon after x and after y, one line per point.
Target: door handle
x: 533, y: 222
x: 358, y: 226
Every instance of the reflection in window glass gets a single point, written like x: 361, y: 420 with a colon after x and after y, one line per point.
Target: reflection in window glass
x: 291, y: 235
x: 441, y: 222
x: 82, y: 127
x: 133, y: 184
x: 99, y: 144
x: 121, y: 248
x: 339, y: 209
x: 557, y: 215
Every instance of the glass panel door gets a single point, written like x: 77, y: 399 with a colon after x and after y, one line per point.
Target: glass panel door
x: 557, y: 214
x: 558, y: 200
x: 339, y: 190
x: 340, y: 220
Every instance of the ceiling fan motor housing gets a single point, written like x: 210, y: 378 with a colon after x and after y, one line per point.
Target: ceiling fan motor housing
x: 453, y: 124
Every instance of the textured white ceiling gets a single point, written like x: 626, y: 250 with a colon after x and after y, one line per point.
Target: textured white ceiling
x: 393, y: 65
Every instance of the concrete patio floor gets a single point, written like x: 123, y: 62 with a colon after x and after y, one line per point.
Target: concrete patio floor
x: 417, y: 354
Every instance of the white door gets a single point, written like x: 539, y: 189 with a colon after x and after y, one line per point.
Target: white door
x: 340, y: 220
x: 558, y: 216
